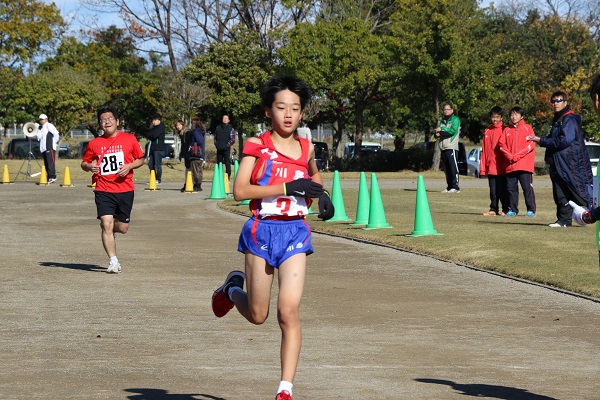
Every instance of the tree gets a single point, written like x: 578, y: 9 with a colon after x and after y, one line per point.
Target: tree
x: 346, y: 63
x: 26, y: 27
x: 67, y: 96
x: 234, y: 72
x: 433, y: 42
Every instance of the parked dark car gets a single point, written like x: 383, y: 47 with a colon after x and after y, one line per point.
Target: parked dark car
x: 20, y: 147
x: 82, y: 147
x: 64, y: 151
x: 321, y: 155
x: 420, y: 156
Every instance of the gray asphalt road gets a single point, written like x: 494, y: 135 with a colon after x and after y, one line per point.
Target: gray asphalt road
x: 378, y: 323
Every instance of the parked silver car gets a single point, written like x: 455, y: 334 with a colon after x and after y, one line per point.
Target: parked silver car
x: 473, y: 159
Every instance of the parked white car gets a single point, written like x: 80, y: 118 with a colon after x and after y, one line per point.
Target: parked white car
x: 594, y: 151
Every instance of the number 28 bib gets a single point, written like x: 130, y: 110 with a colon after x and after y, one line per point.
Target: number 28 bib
x: 111, y: 163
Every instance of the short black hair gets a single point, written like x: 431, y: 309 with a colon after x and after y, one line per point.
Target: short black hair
x: 108, y: 109
x: 497, y: 110
x: 518, y: 110
x: 156, y: 116
x: 559, y: 93
x: 280, y: 83
x: 595, y: 87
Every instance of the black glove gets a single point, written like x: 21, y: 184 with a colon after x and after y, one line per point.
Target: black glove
x: 326, y: 209
x: 303, y: 188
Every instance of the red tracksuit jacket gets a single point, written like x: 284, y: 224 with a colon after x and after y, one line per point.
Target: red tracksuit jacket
x: 519, y: 152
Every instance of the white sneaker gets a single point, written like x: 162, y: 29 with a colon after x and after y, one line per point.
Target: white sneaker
x: 51, y: 180
x: 445, y: 191
x: 114, y: 268
x: 557, y: 225
x: 453, y: 191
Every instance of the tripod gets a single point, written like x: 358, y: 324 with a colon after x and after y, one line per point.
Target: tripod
x: 30, y: 156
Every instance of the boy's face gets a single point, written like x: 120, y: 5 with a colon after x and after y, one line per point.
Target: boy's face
x: 285, y: 112
x: 515, y: 117
x: 496, y: 118
x: 108, y: 123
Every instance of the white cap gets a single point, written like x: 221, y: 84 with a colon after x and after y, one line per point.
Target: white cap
x: 42, y: 116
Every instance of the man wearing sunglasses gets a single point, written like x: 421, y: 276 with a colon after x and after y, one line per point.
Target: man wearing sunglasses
x: 569, y: 161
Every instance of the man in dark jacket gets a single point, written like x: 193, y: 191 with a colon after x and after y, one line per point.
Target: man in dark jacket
x: 224, y: 139
x: 156, y: 152
x: 569, y: 161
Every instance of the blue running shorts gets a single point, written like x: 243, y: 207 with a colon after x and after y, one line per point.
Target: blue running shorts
x: 275, y: 240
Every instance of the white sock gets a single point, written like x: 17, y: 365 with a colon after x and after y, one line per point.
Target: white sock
x: 285, y: 385
x: 113, y: 260
x: 231, y: 290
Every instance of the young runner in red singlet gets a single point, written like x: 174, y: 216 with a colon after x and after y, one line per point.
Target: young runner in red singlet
x: 278, y: 173
x: 113, y: 157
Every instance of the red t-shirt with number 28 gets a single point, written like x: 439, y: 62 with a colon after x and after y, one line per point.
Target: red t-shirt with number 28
x: 111, y: 153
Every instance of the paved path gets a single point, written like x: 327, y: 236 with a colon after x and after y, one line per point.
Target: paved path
x: 378, y: 323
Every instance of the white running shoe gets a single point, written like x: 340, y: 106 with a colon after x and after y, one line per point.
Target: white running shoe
x: 114, y: 268
x: 51, y: 180
x: 454, y: 191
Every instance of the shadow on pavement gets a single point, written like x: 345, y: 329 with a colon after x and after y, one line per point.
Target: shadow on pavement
x: 161, y: 394
x: 488, y: 391
x: 81, y: 267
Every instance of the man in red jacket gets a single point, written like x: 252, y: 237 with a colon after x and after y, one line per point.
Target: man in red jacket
x: 520, y: 154
x: 493, y: 163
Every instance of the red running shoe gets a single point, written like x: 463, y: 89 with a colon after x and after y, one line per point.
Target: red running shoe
x: 284, y: 395
x: 221, y: 304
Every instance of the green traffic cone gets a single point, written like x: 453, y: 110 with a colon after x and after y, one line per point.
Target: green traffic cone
x: 216, y: 190
x: 423, y: 222
x: 362, y: 207
x: 236, y: 165
x: 338, y: 200
x: 376, y: 213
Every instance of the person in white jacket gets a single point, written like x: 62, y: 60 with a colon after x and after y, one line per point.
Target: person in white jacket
x: 48, y: 137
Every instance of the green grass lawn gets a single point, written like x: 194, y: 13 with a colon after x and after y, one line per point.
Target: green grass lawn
x: 522, y: 247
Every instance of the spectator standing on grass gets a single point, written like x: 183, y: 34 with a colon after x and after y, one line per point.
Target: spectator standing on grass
x: 493, y: 163
x: 569, y: 161
x: 447, y: 133
x: 48, y: 137
x: 224, y: 138
x: 156, y: 137
x: 196, y: 154
x: 520, y: 156
x: 112, y: 157
x: 178, y: 140
x: 283, y: 177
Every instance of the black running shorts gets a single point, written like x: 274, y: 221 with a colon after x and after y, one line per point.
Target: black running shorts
x: 118, y: 205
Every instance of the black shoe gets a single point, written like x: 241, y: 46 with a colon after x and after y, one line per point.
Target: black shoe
x: 183, y: 189
x: 197, y: 189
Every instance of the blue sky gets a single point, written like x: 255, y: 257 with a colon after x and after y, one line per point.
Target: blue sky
x: 80, y: 16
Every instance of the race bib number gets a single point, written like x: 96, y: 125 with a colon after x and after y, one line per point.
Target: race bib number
x: 288, y: 206
x: 111, y: 163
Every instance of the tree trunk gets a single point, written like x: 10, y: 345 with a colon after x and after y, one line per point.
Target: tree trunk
x: 437, y: 153
x: 360, y: 126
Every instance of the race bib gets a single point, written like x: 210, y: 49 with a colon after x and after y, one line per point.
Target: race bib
x: 111, y: 163
x: 288, y: 206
